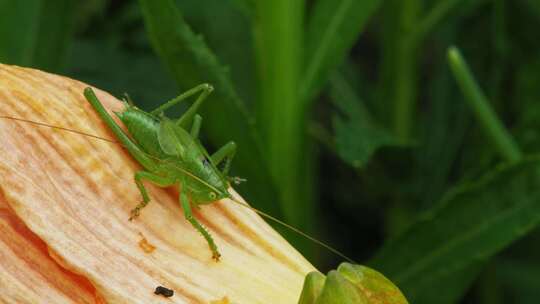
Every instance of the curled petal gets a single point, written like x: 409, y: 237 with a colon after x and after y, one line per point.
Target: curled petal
x: 28, y: 274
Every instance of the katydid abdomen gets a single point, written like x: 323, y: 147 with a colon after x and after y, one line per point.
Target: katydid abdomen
x: 143, y: 128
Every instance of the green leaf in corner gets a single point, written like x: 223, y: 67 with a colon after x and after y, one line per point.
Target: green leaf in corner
x: 56, y: 28
x: 36, y: 33
x: 521, y: 277
x: 191, y: 62
x: 246, y: 6
x: 19, y: 31
x: 469, y: 226
x: 332, y: 30
x: 357, y: 135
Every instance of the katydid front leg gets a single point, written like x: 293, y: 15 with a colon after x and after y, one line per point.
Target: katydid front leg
x: 225, y: 153
x: 189, y: 216
x: 156, y: 179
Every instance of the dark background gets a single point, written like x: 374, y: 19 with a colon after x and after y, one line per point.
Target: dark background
x: 350, y: 122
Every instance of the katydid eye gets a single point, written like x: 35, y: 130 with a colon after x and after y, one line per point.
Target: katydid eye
x: 212, y: 195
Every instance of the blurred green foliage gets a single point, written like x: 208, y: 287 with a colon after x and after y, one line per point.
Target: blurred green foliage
x: 355, y: 123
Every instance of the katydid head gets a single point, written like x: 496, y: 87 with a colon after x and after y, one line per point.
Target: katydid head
x: 206, y: 194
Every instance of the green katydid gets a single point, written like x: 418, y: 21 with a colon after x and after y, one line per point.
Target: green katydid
x: 172, y: 156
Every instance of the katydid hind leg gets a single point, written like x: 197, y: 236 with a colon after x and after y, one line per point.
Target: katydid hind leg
x: 131, y: 146
x: 225, y: 154
x: 196, y: 126
x: 189, y: 216
x: 153, y: 178
x: 187, y: 117
x: 204, y: 90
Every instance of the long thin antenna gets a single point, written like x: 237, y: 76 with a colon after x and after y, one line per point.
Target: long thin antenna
x: 42, y: 124
x: 261, y: 213
x: 307, y: 236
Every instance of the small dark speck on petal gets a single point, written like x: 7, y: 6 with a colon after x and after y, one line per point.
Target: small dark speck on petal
x: 166, y: 292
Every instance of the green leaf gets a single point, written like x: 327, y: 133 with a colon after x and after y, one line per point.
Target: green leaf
x: 56, y: 28
x: 246, y: 6
x: 470, y: 225
x: 19, y: 28
x: 357, y: 135
x: 482, y: 108
x: 533, y: 6
x: 191, y: 62
x: 332, y: 30
x: 279, y: 34
x: 36, y: 33
x: 449, y: 288
x: 520, y: 277
x: 439, y: 11
x: 120, y: 70
x: 228, y: 32
x: 527, y: 131
x: 441, y: 139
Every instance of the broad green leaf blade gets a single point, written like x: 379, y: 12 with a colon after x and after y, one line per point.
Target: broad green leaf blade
x: 441, y: 139
x: 247, y: 6
x: 533, y: 6
x: 279, y: 36
x: 19, y: 28
x: 56, y: 27
x: 520, y: 276
x: 471, y: 224
x: 527, y: 131
x: 118, y: 71
x: 191, y: 62
x: 332, y: 30
x: 449, y: 288
x: 357, y: 135
x: 228, y: 33
x: 36, y: 33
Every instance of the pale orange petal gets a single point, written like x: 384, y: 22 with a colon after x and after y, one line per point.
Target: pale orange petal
x: 28, y: 274
x: 76, y: 192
